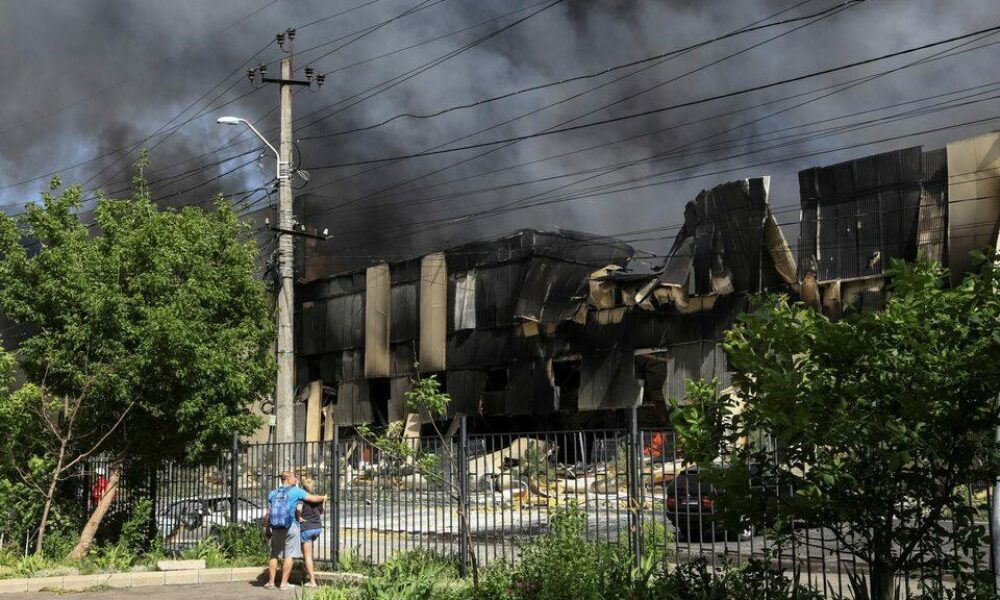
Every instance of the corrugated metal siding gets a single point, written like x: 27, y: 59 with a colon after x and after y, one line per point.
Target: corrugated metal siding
x: 465, y: 386
x: 552, y: 290
x: 866, y: 212
x: 345, y: 322
x: 313, y: 326
x: 608, y: 380
x: 404, y: 305
x: 497, y: 293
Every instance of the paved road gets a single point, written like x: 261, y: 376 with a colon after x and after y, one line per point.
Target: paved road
x: 208, y: 591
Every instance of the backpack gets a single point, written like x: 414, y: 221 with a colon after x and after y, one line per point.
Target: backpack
x: 281, y: 517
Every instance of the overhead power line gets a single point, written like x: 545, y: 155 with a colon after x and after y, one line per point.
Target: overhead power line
x: 575, y: 96
x: 658, y: 110
x: 769, y: 162
x: 605, y: 71
x: 150, y: 69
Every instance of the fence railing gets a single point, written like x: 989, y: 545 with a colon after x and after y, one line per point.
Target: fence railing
x: 632, y: 486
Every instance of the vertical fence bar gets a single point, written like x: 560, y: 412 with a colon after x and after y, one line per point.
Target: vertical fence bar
x: 633, y: 472
x: 461, y: 471
x: 335, y: 499
x: 234, y: 470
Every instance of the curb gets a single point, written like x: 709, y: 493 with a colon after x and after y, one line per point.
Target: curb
x: 156, y: 578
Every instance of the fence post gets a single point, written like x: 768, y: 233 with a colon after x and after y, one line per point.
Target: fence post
x: 335, y: 499
x: 634, y: 474
x: 234, y: 473
x: 994, y: 514
x: 462, y: 472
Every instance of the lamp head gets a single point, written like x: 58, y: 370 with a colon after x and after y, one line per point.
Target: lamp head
x: 229, y: 120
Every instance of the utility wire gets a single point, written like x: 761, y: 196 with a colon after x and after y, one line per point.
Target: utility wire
x: 600, y: 73
x: 145, y: 71
x: 654, y: 111
x: 524, y: 115
x: 769, y: 162
x: 708, y: 119
x: 788, y: 140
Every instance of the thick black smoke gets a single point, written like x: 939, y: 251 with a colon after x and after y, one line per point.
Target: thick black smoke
x: 173, y: 53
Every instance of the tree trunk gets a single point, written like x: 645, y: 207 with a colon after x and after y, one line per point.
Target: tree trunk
x: 47, y: 507
x: 90, y: 529
x: 881, y: 585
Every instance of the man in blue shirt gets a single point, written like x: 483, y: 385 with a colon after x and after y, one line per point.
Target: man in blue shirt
x: 283, y: 528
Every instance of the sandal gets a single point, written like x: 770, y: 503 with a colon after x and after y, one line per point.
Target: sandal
x: 269, y: 586
x: 309, y: 584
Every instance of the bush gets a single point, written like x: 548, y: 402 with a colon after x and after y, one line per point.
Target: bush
x: 209, y: 551
x: 243, y: 543
x: 754, y: 581
x: 108, y: 559
x: 413, y: 576
x: 563, y: 565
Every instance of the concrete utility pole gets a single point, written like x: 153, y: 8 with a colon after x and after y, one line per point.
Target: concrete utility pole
x: 284, y: 396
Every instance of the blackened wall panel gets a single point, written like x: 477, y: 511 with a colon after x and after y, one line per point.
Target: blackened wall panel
x: 552, y: 290
x: 465, y: 386
x: 313, y: 332
x: 497, y: 293
x: 345, y: 322
x: 608, y: 380
x: 404, y: 308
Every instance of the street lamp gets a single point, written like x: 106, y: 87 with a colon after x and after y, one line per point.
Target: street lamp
x: 282, y: 168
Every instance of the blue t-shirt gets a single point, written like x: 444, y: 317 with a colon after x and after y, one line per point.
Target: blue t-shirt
x: 293, y: 496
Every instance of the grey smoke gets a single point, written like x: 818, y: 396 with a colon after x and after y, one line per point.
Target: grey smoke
x: 63, y: 50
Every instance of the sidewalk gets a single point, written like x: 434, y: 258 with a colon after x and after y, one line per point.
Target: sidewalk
x: 205, y: 591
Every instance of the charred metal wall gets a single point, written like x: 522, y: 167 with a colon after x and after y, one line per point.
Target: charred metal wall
x: 859, y: 214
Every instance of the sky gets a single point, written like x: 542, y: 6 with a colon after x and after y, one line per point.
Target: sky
x: 90, y: 82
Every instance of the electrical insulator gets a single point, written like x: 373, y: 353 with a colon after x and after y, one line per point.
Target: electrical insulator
x: 291, y: 34
x: 280, y: 38
x: 262, y: 68
x: 250, y: 74
x: 309, y: 72
x: 320, y: 79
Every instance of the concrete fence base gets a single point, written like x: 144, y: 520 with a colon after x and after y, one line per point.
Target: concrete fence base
x: 157, y: 578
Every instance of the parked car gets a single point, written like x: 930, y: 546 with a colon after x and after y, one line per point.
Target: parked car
x: 691, y: 508
x: 186, y: 521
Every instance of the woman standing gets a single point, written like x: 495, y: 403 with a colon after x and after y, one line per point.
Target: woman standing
x: 312, y: 527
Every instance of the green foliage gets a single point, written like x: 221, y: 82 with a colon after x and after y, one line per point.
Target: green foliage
x: 426, y: 396
x: 881, y: 420
x: 754, y: 581
x: 564, y: 565
x: 113, y: 558
x: 410, y: 576
x: 157, y: 321
x: 15, y: 565
x: 135, y: 530
x: 209, y: 551
x: 329, y: 592
x: 243, y: 543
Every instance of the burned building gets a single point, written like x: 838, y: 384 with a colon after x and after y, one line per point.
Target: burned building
x: 560, y: 329
x: 859, y: 214
x: 543, y: 329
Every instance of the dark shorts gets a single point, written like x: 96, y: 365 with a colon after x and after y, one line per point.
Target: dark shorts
x: 286, y: 543
x: 310, y: 535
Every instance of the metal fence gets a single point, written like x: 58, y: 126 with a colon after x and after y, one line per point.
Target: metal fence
x: 631, y: 485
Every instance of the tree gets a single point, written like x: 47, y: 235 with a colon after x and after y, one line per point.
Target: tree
x: 879, y: 421
x: 151, y: 334
x: 403, y: 456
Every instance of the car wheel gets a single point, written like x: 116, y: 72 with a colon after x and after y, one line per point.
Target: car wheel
x: 191, y: 520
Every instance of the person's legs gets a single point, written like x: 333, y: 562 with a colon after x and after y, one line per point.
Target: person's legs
x: 307, y: 558
x: 272, y: 571
x: 277, y: 551
x: 292, y: 550
x: 286, y: 571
